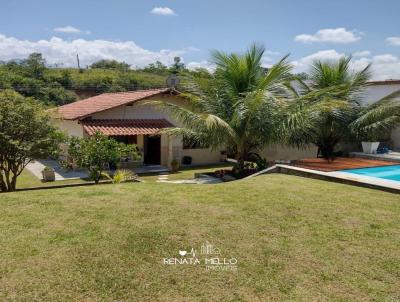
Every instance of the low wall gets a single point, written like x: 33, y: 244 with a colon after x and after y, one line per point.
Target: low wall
x: 202, y: 156
x: 278, y: 152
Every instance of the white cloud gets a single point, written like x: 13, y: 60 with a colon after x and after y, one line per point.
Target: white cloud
x: 201, y: 64
x: 395, y: 41
x: 334, y: 35
x: 70, y: 30
x: 192, y: 48
x: 164, y: 11
x: 63, y: 52
x: 364, y: 53
x: 304, y: 63
x: 384, y: 66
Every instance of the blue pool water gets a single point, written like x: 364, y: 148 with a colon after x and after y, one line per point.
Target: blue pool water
x: 386, y: 172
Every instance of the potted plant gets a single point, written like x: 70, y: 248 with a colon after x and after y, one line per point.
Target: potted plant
x: 370, y: 147
x: 369, y: 142
x: 48, y: 174
x: 174, y: 165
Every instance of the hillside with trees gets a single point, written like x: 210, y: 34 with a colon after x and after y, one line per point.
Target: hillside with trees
x: 55, y: 86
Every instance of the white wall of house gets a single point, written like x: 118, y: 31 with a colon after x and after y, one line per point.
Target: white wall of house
x: 139, y: 110
x: 69, y: 127
x: 395, y: 137
x: 376, y: 92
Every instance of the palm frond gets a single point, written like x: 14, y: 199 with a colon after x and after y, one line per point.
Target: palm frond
x: 379, y: 117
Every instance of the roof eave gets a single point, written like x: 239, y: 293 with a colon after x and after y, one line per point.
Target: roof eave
x: 82, y: 117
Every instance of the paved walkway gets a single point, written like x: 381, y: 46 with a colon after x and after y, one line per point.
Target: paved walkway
x: 162, y: 177
x: 36, y: 167
x: 204, y: 179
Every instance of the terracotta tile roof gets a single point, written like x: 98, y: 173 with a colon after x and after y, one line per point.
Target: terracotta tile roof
x: 125, y: 127
x: 105, y: 101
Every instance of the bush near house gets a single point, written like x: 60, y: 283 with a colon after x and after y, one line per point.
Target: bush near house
x: 97, y: 151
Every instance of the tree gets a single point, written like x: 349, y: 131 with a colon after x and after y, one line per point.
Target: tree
x: 157, y: 67
x: 178, y: 65
x: 327, y: 110
x: 241, y: 110
x: 96, y: 151
x: 110, y: 64
x: 36, y: 65
x: 375, y: 121
x: 25, y: 134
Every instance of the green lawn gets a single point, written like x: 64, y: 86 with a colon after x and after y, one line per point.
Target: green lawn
x: 28, y: 180
x: 294, y: 239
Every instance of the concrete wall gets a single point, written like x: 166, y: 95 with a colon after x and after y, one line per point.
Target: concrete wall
x: 202, y: 156
x: 395, y: 137
x: 278, y: 152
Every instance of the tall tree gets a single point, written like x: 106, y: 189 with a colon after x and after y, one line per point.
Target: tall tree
x: 36, y: 65
x: 25, y: 133
x: 110, y: 64
x: 241, y: 110
x: 328, y: 111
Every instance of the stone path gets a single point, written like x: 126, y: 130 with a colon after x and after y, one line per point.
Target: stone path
x: 36, y: 167
x: 204, y: 179
x: 162, y: 177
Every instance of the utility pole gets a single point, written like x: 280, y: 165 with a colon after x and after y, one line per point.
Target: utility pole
x: 77, y: 59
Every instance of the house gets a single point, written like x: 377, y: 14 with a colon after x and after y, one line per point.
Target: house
x: 130, y: 118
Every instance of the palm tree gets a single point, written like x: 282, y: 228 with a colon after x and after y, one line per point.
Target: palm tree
x: 240, y: 109
x: 327, y: 111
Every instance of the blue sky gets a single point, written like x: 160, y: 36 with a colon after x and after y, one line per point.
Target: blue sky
x: 142, y: 31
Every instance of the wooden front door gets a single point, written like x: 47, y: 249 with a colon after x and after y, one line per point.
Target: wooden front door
x: 152, y: 150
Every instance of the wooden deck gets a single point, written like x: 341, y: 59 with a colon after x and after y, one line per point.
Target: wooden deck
x: 340, y: 163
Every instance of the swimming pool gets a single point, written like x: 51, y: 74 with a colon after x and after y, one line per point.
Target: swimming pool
x: 385, y: 172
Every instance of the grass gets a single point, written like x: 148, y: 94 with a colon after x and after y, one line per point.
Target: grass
x: 294, y: 238
x: 28, y: 180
